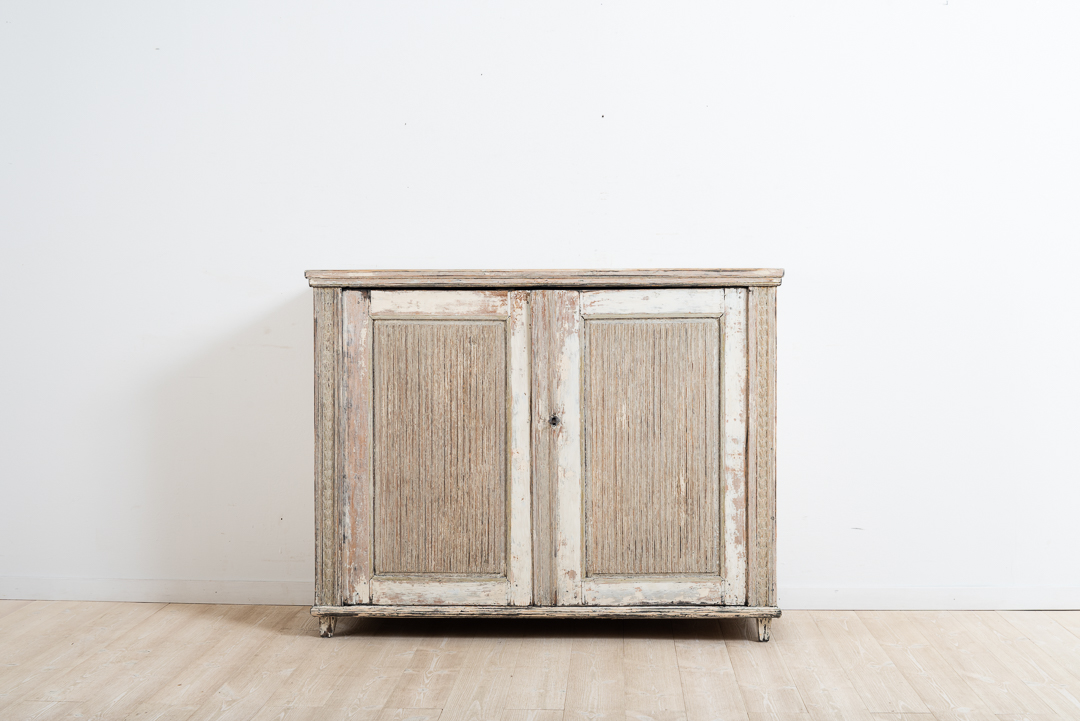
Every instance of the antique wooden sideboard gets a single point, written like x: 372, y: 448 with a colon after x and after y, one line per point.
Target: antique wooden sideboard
x: 545, y: 443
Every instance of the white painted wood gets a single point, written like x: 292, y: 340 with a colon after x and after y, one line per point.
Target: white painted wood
x: 519, y: 568
x: 651, y: 591
x: 725, y: 583
x: 355, y: 446
x: 388, y: 591
x: 667, y: 611
x: 420, y: 303
x: 733, y: 427
x: 730, y: 306
x: 642, y: 278
x: 516, y: 587
x: 653, y: 302
x: 569, y: 533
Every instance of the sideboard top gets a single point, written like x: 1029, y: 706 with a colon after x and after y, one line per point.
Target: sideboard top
x: 646, y: 278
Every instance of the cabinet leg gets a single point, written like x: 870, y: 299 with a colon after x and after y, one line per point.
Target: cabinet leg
x: 763, y: 627
x: 326, y: 626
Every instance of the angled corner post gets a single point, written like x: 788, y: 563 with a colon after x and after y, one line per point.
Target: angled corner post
x: 761, y: 442
x: 327, y: 491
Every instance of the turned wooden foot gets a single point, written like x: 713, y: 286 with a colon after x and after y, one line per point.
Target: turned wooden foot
x: 763, y: 625
x: 326, y: 626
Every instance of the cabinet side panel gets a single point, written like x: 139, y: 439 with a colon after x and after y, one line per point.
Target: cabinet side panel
x: 355, y: 446
x: 735, y: 399
x: 440, y: 446
x: 327, y: 511
x: 761, y: 445
x: 652, y: 438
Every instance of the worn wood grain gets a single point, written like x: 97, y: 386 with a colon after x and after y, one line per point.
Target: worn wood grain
x: 734, y: 489
x: 651, y: 590
x: 540, y: 543
x: 423, y: 590
x: 440, y: 303
x: 520, y: 572
x: 327, y: 491
x: 543, y: 323
x: 355, y: 449
x: 761, y: 447
x: 652, y: 409
x: 440, y: 425
x: 556, y: 354
x: 649, y: 278
x: 653, y: 302
x: 412, y: 611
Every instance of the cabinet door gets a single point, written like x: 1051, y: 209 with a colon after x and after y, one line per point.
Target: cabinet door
x: 442, y: 516
x: 640, y: 446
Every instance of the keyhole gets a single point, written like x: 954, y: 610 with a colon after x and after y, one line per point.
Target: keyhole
x: 554, y: 421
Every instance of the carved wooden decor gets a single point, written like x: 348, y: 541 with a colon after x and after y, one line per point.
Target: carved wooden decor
x: 561, y: 443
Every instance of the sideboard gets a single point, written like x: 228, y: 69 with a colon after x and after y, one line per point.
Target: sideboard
x: 570, y: 443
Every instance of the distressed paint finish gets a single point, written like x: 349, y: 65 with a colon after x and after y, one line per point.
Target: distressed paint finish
x: 568, y: 530
x: 543, y: 355
x: 551, y: 611
x: 327, y: 514
x: 355, y: 447
x: 557, y: 445
x: 520, y: 567
x: 542, y: 320
x: 440, y: 449
x: 734, y: 446
x: 449, y: 591
x: 761, y: 448
x: 647, y: 278
x: 440, y: 303
x: 653, y: 302
x: 645, y: 591
x: 652, y: 409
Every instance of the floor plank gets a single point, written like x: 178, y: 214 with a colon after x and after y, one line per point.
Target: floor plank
x: 543, y: 667
x: 998, y: 686
x: 596, y: 688
x: 873, y: 674
x: 175, y: 662
x: 710, y: 687
x: 764, y: 681
x: 825, y: 689
x: 1042, y: 673
x: 942, y: 689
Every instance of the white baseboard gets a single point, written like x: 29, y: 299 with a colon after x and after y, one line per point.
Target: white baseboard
x: 301, y: 593
x: 159, y: 590
x: 936, y: 598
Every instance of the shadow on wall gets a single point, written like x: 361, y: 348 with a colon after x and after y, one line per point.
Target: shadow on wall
x: 231, y: 455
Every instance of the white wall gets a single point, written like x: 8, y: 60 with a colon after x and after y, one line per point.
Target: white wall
x: 169, y: 170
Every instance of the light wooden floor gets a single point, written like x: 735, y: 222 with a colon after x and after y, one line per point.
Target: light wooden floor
x: 169, y: 661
